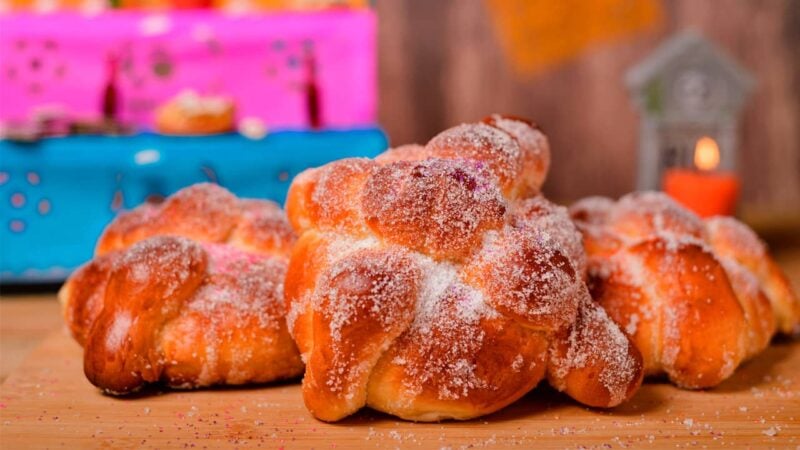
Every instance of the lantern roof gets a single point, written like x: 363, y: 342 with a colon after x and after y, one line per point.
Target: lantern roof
x: 688, y: 63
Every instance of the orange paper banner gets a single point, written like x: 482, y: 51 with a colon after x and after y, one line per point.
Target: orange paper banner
x: 537, y: 34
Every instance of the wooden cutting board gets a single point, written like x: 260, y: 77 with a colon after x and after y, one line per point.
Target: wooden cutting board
x: 47, y: 403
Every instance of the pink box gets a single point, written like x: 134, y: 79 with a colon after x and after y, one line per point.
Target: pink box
x: 61, y: 60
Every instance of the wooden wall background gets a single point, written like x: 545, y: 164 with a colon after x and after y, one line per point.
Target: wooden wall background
x: 441, y: 64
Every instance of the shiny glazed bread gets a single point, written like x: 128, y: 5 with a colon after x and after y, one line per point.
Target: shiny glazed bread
x: 188, y: 293
x: 697, y: 296
x: 433, y: 282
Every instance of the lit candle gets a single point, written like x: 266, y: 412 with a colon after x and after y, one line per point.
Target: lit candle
x: 704, y: 190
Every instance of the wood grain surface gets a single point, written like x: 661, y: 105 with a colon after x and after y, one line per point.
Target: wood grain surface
x: 24, y: 321
x: 47, y: 403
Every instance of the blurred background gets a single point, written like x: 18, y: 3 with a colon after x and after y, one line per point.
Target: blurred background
x: 106, y: 104
x: 563, y: 64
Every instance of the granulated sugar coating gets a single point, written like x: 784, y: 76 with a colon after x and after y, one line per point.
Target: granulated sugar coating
x: 264, y: 228
x: 733, y: 240
x: 525, y: 273
x: 480, y: 142
x: 207, y: 213
x: 371, y: 284
x: 206, y: 209
x: 331, y: 203
x: 165, y: 257
x: 241, y: 286
x: 595, y: 336
x: 442, y: 292
x: 183, y: 304
x: 697, y: 296
x: 440, y: 207
x: 555, y: 222
x: 534, y: 148
x: 639, y: 215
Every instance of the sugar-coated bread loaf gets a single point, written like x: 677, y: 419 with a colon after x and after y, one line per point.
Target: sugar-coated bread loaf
x: 433, y: 282
x: 188, y: 293
x: 697, y: 296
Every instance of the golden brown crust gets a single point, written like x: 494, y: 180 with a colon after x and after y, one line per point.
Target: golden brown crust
x: 535, y: 151
x: 127, y: 228
x: 363, y: 302
x: 758, y: 313
x: 89, y: 284
x: 734, y: 241
x: 202, y: 212
x: 693, y: 295
x: 200, y: 309
x: 407, y: 152
x: 121, y: 351
x: 696, y: 349
x: 593, y: 348
x: 514, y: 149
x: 535, y: 284
x: 508, y: 362
x: 591, y: 215
x: 437, y: 207
x: 485, y: 143
x: 328, y: 196
x: 305, y: 267
x: 427, y: 285
x: 262, y: 228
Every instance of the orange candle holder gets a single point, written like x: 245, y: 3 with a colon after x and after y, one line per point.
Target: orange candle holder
x: 707, y: 194
x: 704, y: 190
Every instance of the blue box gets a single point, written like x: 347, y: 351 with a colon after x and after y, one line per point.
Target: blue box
x: 57, y: 195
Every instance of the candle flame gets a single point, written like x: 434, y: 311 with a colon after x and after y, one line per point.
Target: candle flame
x: 706, y: 154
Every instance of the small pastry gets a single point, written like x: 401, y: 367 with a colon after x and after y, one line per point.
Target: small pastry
x: 189, y: 113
